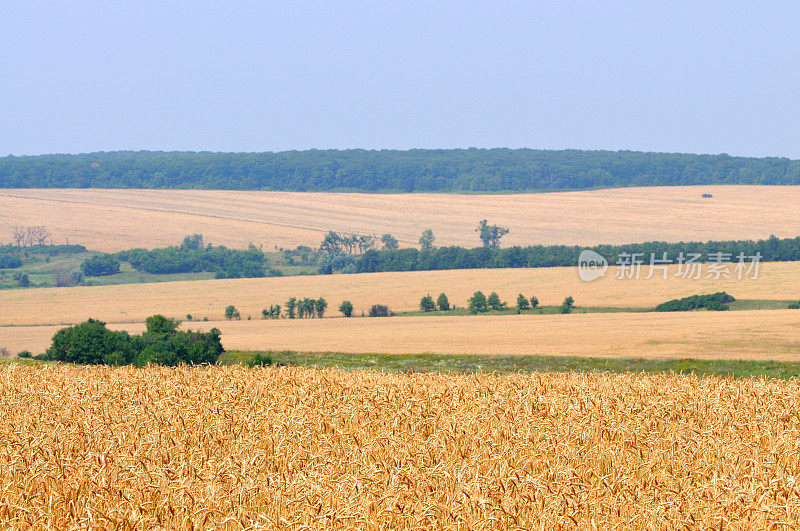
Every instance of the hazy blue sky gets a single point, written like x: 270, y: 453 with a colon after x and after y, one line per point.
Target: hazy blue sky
x: 701, y: 77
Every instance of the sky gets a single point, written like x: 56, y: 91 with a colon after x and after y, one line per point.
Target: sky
x: 696, y: 77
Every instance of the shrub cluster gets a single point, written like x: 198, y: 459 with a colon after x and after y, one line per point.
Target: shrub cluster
x: 192, y: 257
x: 100, y: 265
x: 162, y: 344
x: 427, y: 304
x: 715, y: 301
x: 379, y: 310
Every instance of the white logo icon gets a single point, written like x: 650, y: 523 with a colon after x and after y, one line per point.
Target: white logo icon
x: 591, y: 265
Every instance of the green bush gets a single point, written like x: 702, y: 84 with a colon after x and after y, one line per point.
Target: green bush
x: 92, y: 343
x: 260, y: 360
x: 379, y: 310
x: 567, y: 305
x: 494, y: 302
x: 794, y: 306
x: 426, y: 303
x: 477, y: 303
x: 715, y: 301
x: 346, y: 307
x: 534, y: 302
x: 231, y: 312
x: 100, y: 265
x: 25, y: 354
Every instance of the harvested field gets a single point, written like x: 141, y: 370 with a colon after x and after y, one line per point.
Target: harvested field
x: 111, y: 220
x: 400, y: 291
x: 755, y: 335
x: 232, y: 448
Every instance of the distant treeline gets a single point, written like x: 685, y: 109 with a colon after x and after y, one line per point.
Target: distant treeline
x: 772, y: 250
x: 416, y: 170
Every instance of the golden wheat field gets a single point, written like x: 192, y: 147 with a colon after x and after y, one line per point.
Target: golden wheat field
x: 400, y: 291
x: 232, y: 448
x: 112, y: 220
x: 755, y: 334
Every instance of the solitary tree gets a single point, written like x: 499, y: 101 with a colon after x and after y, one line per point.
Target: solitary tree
x: 522, y: 302
x: 494, y: 302
x: 389, y: 242
x: 567, y: 305
x: 192, y: 243
x: 427, y: 239
x: 534, y: 302
x: 231, y: 312
x: 346, y: 307
x: 490, y: 234
x: 443, y: 303
x: 426, y: 303
x: 477, y: 303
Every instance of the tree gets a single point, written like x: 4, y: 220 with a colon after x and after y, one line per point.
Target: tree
x: 100, y: 265
x: 522, y: 302
x: 427, y: 239
x: 477, y: 303
x: 426, y: 303
x: 20, y: 236
x: 389, y: 242
x: 306, y: 308
x: 63, y: 278
x: 91, y: 343
x: 379, y: 310
x: 534, y: 302
x: 490, y: 235
x: 331, y: 243
x: 192, y: 243
x: 494, y: 302
x: 291, y: 307
x: 231, y: 312
x: 160, y: 325
x: 567, y: 305
x: 39, y: 235
x: 322, y: 305
x: 346, y: 307
x: 443, y: 303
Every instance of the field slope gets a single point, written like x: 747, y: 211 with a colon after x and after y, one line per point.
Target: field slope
x: 110, y: 220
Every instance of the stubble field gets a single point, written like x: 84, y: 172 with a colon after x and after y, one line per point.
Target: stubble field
x: 112, y: 220
x: 232, y: 448
x: 400, y: 291
x: 751, y: 335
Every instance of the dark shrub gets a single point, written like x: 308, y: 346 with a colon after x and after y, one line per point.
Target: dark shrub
x: 379, y: 310
x: 100, y: 265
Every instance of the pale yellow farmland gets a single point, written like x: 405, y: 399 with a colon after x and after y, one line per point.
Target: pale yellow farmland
x: 400, y: 291
x: 290, y: 448
x: 111, y: 220
x: 755, y: 334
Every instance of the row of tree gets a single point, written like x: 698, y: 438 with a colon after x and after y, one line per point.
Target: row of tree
x: 772, y: 249
x: 416, y: 170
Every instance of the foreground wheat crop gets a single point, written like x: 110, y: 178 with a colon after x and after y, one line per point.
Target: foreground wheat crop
x: 111, y: 220
x: 236, y: 448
